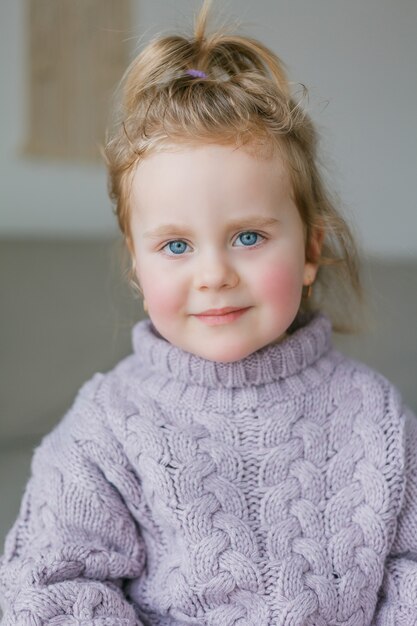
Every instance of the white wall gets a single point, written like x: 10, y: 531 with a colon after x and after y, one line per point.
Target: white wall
x: 358, y: 59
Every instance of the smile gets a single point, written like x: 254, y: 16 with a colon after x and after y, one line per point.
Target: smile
x: 225, y: 318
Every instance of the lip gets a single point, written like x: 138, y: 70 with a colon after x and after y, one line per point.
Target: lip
x: 224, y: 311
x: 228, y: 315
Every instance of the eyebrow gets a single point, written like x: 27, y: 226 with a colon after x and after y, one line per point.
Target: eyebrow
x: 170, y: 229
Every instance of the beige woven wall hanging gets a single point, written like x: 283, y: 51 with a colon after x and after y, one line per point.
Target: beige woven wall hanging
x: 78, y: 51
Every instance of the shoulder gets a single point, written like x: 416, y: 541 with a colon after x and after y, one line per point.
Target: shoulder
x: 96, y: 404
x: 369, y: 408
x: 107, y: 390
x: 365, y: 386
x: 365, y: 405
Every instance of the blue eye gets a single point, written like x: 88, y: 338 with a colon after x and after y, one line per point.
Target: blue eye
x: 248, y: 238
x: 176, y: 247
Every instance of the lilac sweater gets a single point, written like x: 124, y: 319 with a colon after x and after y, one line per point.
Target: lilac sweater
x: 277, y: 490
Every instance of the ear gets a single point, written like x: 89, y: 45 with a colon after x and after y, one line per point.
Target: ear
x: 134, y: 274
x: 313, y: 253
x: 130, y: 247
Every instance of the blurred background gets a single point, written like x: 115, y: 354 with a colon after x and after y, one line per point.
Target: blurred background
x: 65, y: 309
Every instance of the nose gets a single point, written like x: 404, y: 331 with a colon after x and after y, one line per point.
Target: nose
x: 214, y: 270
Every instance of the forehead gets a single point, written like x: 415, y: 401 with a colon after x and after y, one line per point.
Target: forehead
x: 181, y: 177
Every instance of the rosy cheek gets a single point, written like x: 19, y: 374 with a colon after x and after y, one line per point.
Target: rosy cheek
x: 162, y: 297
x: 279, y: 285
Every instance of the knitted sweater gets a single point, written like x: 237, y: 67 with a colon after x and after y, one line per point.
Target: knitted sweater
x: 277, y: 490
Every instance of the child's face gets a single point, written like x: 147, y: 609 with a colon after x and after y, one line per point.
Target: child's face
x: 215, y: 255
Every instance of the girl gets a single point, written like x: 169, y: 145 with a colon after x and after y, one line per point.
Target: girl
x: 235, y: 469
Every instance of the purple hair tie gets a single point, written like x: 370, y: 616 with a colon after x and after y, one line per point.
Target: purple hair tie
x: 196, y: 73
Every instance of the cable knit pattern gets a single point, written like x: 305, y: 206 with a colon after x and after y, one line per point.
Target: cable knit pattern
x: 280, y: 490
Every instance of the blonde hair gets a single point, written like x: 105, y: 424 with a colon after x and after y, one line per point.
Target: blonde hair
x: 245, y: 100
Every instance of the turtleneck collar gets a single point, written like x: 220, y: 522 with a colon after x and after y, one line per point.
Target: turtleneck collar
x: 272, y: 363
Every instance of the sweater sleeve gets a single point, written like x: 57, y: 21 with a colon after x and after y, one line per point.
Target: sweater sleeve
x: 75, y: 543
x: 398, y: 594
